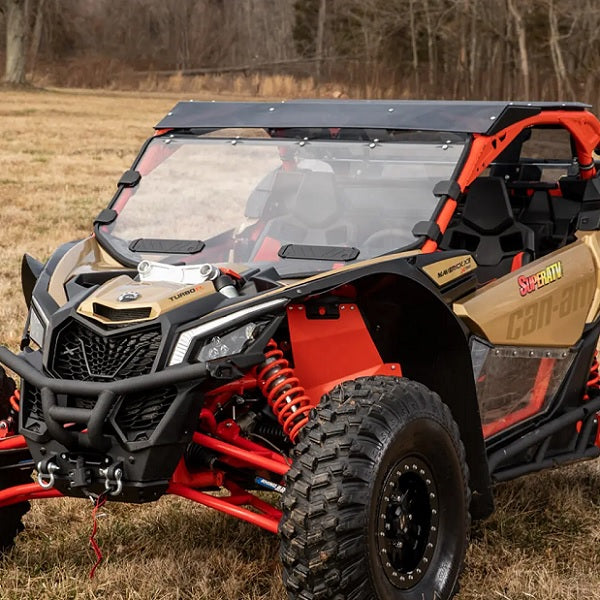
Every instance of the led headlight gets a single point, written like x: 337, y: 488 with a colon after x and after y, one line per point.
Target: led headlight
x: 231, y: 343
x: 38, y: 322
x: 214, y: 329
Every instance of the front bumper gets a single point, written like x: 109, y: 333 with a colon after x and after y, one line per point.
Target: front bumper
x: 84, y: 442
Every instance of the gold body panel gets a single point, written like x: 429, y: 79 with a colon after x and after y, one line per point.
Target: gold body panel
x: 544, y: 303
x: 86, y: 256
x: 159, y: 297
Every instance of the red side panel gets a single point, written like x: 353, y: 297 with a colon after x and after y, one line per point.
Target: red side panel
x: 329, y: 351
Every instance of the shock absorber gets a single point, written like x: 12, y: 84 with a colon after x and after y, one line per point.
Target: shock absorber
x: 593, y: 383
x: 283, y: 391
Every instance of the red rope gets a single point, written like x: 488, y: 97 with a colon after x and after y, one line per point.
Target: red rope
x: 100, y: 502
x: 14, y: 400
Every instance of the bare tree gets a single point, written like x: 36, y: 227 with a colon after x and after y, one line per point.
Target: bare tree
x: 36, y: 37
x: 16, y: 41
x: 522, y: 38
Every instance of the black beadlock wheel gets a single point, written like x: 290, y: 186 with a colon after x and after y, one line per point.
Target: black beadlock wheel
x: 11, y: 523
x: 377, y: 499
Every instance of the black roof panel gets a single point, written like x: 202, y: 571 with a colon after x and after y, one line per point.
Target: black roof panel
x: 429, y: 115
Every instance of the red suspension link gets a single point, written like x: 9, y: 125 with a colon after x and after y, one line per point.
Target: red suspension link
x: 283, y: 391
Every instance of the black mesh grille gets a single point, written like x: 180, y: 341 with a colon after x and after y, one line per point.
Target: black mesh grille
x: 31, y: 403
x: 122, y: 314
x: 139, y: 414
x: 84, y: 355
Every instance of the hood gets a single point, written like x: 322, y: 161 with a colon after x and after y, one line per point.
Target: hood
x: 124, y: 300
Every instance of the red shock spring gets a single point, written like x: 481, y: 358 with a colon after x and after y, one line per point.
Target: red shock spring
x: 593, y: 383
x: 283, y: 391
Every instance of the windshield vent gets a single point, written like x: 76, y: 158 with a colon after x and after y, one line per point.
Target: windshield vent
x: 122, y: 314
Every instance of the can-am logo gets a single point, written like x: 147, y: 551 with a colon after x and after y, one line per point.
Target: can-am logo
x: 531, y: 283
x: 128, y: 296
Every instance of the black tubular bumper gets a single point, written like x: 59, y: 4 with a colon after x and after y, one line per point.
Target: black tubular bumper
x: 106, y: 394
x: 82, y: 438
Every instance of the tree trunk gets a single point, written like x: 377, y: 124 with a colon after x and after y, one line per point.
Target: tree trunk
x: 563, y: 84
x: 16, y: 37
x: 522, y: 37
x: 413, y: 42
x: 320, y: 36
x: 37, y: 34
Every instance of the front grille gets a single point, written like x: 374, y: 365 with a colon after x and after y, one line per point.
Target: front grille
x: 84, y: 355
x: 121, y: 314
x: 31, y: 407
x: 139, y: 414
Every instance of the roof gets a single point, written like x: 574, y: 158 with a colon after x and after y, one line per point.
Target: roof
x: 427, y: 115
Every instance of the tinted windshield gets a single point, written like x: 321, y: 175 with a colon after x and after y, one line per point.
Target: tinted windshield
x: 247, y: 198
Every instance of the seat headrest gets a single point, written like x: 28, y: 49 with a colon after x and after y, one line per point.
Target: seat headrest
x: 487, y: 207
x: 316, y: 202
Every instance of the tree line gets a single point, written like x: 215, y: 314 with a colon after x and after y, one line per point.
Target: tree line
x: 534, y: 49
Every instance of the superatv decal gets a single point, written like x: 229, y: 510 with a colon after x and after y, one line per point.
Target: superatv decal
x: 531, y: 283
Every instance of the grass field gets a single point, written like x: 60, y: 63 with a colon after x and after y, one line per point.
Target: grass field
x: 61, y: 154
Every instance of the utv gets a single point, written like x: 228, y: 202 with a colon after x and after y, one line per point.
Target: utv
x: 373, y: 309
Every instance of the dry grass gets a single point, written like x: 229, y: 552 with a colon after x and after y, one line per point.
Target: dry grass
x: 62, y: 153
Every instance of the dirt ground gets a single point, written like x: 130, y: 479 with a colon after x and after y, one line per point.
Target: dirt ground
x: 61, y: 154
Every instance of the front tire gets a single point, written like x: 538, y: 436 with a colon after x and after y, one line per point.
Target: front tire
x: 376, y: 502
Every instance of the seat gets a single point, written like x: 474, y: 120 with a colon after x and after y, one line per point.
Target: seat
x: 313, y: 215
x: 486, y: 227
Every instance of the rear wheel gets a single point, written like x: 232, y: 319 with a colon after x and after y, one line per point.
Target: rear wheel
x: 10, y: 516
x: 376, y: 502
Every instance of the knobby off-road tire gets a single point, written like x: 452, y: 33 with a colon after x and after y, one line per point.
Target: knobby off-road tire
x: 377, y: 500
x: 10, y: 516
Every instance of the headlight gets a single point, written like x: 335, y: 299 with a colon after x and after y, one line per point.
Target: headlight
x: 38, y: 323
x: 215, y: 328
x: 231, y: 343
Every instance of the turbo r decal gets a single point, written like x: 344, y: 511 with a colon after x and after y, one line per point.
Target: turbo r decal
x: 184, y: 293
x: 530, y: 283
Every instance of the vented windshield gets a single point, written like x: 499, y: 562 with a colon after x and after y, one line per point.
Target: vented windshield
x: 246, y: 199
